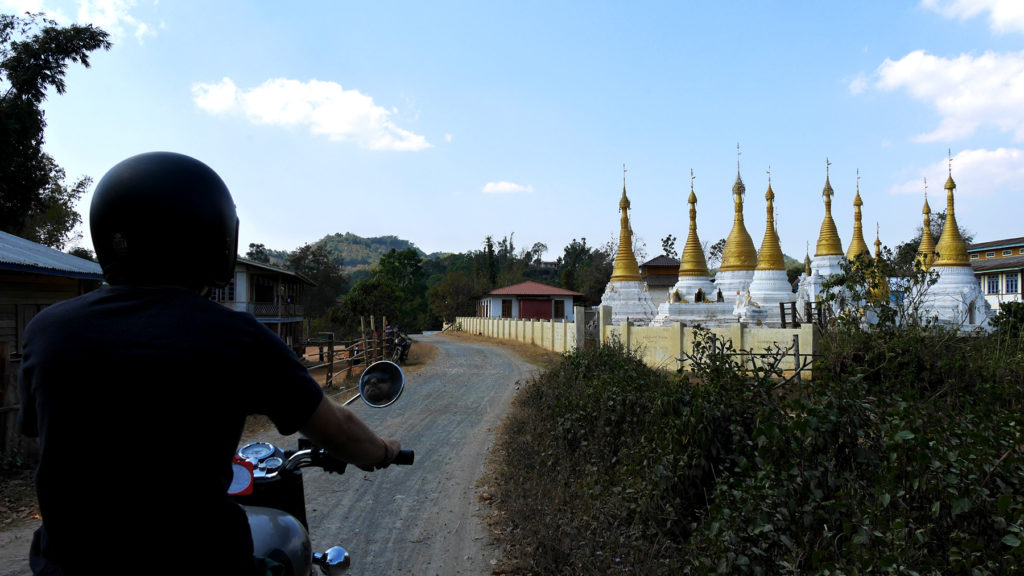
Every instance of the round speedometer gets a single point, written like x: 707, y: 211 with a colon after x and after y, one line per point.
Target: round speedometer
x: 256, y: 451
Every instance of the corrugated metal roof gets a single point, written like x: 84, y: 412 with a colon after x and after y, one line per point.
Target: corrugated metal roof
x: 531, y: 288
x: 996, y: 243
x: 993, y: 264
x: 22, y: 255
x: 273, y: 268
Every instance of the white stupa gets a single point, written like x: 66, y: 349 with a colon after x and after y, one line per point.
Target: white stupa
x: 627, y: 293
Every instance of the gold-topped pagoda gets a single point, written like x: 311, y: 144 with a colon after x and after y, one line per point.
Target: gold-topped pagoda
x: 857, y: 244
x: 829, y: 243
x: 770, y: 257
x: 926, y: 251
x: 692, y: 262
x: 625, y: 268
x: 879, y: 283
x: 739, y: 252
x: 951, y: 249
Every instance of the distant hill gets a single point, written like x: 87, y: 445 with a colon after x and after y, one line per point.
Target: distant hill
x: 358, y: 253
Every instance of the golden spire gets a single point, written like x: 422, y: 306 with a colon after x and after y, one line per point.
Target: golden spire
x: 770, y: 256
x: 625, y: 268
x: 739, y: 252
x: 878, y: 243
x: 857, y: 245
x: 926, y: 251
x: 807, y: 259
x: 951, y: 249
x: 879, y: 284
x: 692, y: 262
x: 828, y: 239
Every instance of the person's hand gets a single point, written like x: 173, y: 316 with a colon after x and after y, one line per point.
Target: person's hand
x: 391, y: 449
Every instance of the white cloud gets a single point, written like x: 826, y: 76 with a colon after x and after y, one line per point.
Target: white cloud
x: 859, y: 84
x: 325, y: 107
x: 506, y: 188
x: 967, y: 91
x: 975, y: 172
x: 1004, y: 16
x: 113, y: 16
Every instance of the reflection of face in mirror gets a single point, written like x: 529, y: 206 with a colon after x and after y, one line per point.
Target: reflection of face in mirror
x: 377, y: 390
x: 381, y: 384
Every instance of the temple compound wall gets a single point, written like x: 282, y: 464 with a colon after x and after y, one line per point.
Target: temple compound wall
x: 661, y: 347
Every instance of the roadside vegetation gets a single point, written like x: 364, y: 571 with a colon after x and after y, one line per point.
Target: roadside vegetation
x: 904, y: 456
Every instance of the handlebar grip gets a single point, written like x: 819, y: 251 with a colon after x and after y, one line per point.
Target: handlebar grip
x: 404, y: 458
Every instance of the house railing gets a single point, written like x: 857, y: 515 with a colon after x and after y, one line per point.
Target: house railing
x: 268, y: 309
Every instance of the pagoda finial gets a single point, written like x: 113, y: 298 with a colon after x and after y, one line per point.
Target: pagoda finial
x: 739, y: 252
x: 625, y: 267
x: 692, y: 261
x: 829, y: 243
x: 951, y: 250
x: 857, y: 244
x: 770, y: 256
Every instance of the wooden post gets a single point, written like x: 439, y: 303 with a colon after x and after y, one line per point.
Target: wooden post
x: 782, y: 313
x: 362, y: 333
x: 796, y: 356
x: 329, y: 380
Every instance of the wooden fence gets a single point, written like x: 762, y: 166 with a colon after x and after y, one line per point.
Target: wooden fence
x: 336, y: 360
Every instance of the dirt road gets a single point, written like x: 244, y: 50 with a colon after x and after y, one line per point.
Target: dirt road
x: 424, y: 519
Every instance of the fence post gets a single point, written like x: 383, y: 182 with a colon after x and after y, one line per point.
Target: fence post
x: 782, y: 313
x: 329, y: 380
x: 796, y: 356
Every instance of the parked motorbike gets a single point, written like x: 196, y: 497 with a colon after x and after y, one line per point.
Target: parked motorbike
x: 400, y: 345
x: 268, y: 483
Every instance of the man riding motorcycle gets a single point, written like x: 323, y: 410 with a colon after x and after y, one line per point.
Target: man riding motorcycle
x: 153, y: 369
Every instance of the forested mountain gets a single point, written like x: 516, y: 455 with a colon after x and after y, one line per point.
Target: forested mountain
x: 360, y: 253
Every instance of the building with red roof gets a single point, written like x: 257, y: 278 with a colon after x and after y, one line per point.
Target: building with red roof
x: 529, y: 300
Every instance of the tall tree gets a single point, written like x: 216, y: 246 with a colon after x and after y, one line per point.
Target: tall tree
x: 323, y: 267
x: 35, y: 201
x: 668, y: 246
x: 258, y: 253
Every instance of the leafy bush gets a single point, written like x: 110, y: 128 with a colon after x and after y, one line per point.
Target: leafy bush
x: 903, y: 457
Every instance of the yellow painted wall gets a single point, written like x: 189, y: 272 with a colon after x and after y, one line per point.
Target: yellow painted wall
x: 659, y: 346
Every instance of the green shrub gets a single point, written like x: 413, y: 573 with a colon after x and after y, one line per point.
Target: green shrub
x: 905, y: 457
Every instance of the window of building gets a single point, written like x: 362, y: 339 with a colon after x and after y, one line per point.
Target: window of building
x: 974, y: 256
x: 225, y: 294
x: 1022, y: 250
x: 1007, y: 252
x: 559, y: 309
x: 990, y: 254
x: 1013, y: 283
x: 506, y: 308
x: 993, y: 284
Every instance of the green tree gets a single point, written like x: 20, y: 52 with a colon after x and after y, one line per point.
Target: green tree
x: 258, y: 253
x: 323, y: 267
x: 585, y: 269
x: 453, y: 296
x: 668, y: 246
x: 403, y: 270
x: 35, y: 201
x: 370, y: 297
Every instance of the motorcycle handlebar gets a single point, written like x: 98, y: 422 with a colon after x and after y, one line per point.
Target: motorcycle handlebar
x: 322, y: 459
x: 404, y: 458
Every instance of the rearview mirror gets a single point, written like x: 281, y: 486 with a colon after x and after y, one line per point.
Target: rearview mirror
x: 381, y: 384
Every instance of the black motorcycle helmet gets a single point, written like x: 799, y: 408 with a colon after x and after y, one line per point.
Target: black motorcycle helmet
x: 164, y: 219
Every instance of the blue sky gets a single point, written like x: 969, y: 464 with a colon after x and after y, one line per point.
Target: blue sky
x: 445, y: 122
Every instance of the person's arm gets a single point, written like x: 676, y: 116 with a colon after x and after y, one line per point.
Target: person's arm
x: 345, y: 436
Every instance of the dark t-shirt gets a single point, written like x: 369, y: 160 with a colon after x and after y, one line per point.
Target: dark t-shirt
x: 138, y: 397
